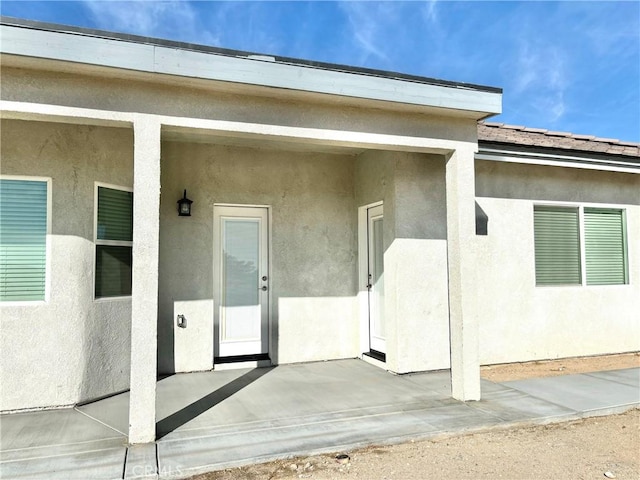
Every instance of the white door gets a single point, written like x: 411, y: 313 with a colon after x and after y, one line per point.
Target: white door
x: 375, y: 276
x: 241, y: 281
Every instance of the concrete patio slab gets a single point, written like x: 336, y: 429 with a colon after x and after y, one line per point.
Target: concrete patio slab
x: 59, y: 444
x: 511, y: 405
x: 112, y: 411
x: 53, y: 427
x: 214, y: 420
x: 107, y: 464
x: 628, y: 376
x: 54, y: 432
x: 141, y: 462
x: 579, y: 392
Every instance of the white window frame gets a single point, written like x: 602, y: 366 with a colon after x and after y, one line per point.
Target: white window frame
x: 47, y: 264
x: 583, y: 265
x: 97, y: 242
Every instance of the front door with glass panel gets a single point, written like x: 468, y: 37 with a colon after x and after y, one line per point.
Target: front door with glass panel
x: 241, y: 281
x: 375, y: 275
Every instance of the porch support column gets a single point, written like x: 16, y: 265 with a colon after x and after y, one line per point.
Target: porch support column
x: 463, y: 323
x: 144, y: 290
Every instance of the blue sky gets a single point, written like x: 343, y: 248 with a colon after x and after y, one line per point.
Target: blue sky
x: 568, y: 66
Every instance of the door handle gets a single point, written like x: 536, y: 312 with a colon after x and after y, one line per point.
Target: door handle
x: 264, y: 288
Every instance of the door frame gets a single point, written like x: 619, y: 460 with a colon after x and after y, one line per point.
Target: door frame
x: 216, y: 288
x: 363, y: 279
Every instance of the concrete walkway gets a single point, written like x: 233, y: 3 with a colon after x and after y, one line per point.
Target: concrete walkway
x: 212, y: 420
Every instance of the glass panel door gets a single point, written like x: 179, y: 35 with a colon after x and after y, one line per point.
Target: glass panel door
x: 241, y: 271
x: 377, y: 334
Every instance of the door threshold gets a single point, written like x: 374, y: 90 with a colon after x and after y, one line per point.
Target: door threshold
x: 379, y: 356
x: 241, y: 358
x: 373, y: 361
x: 242, y: 361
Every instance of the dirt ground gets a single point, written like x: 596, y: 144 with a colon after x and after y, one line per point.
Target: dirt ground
x: 565, y: 366
x: 592, y: 448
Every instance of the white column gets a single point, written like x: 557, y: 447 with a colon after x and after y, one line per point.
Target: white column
x: 463, y: 323
x: 144, y: 294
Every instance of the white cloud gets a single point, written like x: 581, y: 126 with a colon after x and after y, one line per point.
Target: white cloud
x: 245, y: 25
x: 174, y: 19
x: 540, y: 73
x: 365, y: 20
x: 430, y: 11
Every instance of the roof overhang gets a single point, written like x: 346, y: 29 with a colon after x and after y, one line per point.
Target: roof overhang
x: 139, y: 54
x: 557, y: 158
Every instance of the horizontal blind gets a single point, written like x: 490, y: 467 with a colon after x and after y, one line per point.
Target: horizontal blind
x: 115, y: 215
x: 604, y: 246
x: 557, y: 246
x: 23, y: 235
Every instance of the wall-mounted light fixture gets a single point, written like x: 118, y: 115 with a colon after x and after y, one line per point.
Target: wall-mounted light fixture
x: 184, y: 206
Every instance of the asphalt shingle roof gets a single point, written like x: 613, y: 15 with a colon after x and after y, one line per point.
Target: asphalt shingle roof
x: 538, y: 137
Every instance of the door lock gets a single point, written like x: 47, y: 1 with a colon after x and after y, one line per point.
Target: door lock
x: 264, y: 288
x: 264, y: 278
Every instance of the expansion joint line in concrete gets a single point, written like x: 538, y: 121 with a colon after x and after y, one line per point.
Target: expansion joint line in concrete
x: 99, y: 421
x: 124, y: 464
x: 546, y: 400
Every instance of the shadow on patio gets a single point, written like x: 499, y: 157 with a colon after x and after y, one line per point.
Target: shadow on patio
x: 214, y: 420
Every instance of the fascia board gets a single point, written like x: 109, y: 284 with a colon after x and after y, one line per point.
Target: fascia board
x: 251, y: 71
x: 74, y: 48
x: 610, y: 165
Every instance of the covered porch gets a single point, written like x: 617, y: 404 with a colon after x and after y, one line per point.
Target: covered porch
x: 312, y: 146
x: 214, y: 420
x: 425, y: 182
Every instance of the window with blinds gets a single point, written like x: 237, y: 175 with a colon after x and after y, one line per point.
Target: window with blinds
x: 560, y: 257
x: 605, y: 246
x: 23, y: 239
x: 557, y: 246
x: 114, y: 241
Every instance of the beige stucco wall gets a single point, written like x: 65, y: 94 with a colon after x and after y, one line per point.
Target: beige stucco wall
x: 312, y: 193
x: 412, y: 187
x: 313, y: 199
x: 519, y: 321
x: 313, y: 250
x: 418, y: 260
x: 183, y: 97
x: 71, y: 348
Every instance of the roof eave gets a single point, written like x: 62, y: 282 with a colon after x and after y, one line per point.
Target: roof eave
x: 560, y: 157
x: 172, y: 58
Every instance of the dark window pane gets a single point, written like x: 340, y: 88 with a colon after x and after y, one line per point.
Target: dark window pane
x: 113, y: 271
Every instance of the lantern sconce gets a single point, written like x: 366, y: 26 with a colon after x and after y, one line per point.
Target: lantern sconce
x: 184, y: 206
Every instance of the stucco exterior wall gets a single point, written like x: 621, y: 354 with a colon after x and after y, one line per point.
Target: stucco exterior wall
x: 313, y: 249
x: 71, y: 348
x: 519, y: 321
x: 175, y: 96
x: 412, y: 187
x: 416, y: 266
